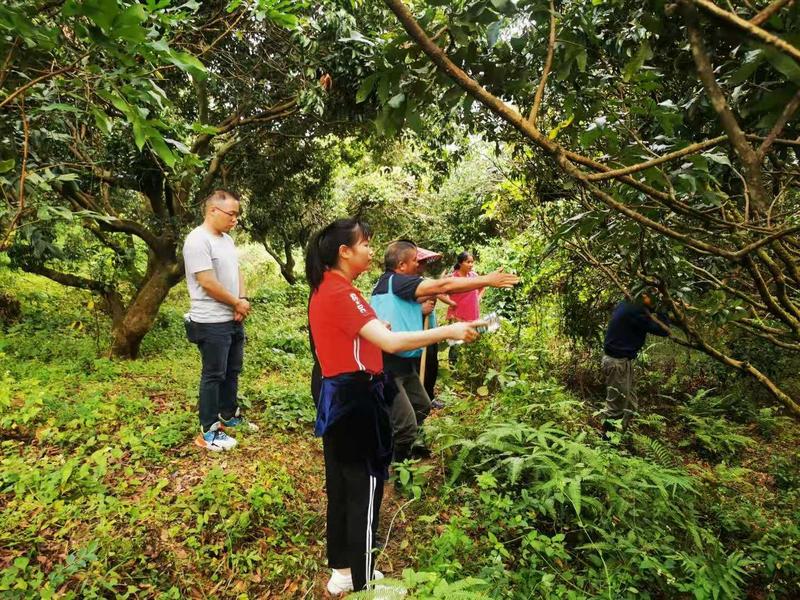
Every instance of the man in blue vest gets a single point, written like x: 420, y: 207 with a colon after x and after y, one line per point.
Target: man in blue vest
x: 395, y: 300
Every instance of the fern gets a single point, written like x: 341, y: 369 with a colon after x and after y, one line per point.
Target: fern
x: 657, y: 451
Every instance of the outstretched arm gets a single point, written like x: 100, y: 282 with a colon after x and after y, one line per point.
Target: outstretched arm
x: 447, y: 285
x: 393, y: 342
x: 646, y: 321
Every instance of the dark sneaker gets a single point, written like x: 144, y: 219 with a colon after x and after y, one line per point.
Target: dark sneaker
x: 238, y: 420
x: 215, y: 439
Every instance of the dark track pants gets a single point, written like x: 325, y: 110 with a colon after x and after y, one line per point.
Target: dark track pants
x: 354, y: 502
x: 410, y: 408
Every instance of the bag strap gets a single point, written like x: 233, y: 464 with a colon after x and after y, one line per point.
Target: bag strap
x: 389, y: 285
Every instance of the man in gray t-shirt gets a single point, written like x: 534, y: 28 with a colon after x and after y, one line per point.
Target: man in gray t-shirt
x: 219, y: 306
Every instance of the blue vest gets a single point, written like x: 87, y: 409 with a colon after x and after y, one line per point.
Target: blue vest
x: 402, y: 314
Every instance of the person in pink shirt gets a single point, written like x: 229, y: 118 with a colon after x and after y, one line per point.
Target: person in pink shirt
x: 467, y: 304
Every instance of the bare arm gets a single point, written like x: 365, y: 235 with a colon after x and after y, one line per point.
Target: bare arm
x: 446, y: 299
x: 393, y: 342
x: 448, y: 285
x: 217, y: 291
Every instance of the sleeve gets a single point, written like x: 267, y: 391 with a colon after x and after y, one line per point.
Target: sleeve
x: 197, y: 255
x: 656, y: 329
x: 405, y: 286
x: 646, y: 322
x: 352, y: 311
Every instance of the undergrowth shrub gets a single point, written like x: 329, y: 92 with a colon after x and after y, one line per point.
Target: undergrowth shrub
x: 560, y: 514
x: 705, y: 417
x: 287, y: 406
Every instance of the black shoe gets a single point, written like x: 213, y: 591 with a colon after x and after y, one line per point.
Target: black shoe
x: 437, y: 404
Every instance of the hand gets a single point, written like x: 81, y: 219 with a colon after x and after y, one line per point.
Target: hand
x: 446, y: 299
x: 428, y: 306
x: 464, y: 331
x: 326, y: 81
x: 500, y: 279
x: 478, y: 323
x: 242, y: 307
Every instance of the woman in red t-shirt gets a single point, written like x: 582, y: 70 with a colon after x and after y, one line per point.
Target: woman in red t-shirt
x: 353, y: 405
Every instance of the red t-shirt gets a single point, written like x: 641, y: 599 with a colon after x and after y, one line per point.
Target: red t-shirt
x: 336, y: 314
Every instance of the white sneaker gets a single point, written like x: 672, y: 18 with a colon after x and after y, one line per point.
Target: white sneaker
x: 215, y: 439
x: 339, y: 584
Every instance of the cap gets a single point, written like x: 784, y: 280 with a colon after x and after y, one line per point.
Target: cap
x: 423, y: 254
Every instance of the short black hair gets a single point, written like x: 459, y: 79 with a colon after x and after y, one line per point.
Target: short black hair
x: 218, y: 196
x: 396, y: 252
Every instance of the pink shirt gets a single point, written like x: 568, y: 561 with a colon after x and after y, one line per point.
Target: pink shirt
x: 467, y: 306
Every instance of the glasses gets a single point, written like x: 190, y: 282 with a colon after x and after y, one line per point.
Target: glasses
x: 232, y: 214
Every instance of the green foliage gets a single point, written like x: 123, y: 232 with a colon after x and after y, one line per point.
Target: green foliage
x: 98, y: 470
x: 409, y: 477
x: 713, y: 434
x: 416, y: 584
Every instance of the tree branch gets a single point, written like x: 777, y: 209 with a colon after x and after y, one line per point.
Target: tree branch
x: 46, y: 76
x: 745, y: 367
x: 780, y: 284
x: 67, y: 279
x: 765, y: 241
x: 788, y: 112
x: 752, y: 29
x: 772, y: 304
x: 691, y: 149
x: 770, y: 338
x: 522, y: 125
x: 770, y: 10
x: 765, y: 328
x: 731, y: 290
x: 279, y: 110
x: 215, y: 164
x: 109, y: 223
x: 705, y: 70
x: 787, y: 260
x: 782, y: 141
x: 4, y: 70
x: 548, y: 63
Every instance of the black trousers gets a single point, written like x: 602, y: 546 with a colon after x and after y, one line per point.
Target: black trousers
x: 354, y: 502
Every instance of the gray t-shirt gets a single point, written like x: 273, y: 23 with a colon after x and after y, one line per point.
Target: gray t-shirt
x: 204, y: 251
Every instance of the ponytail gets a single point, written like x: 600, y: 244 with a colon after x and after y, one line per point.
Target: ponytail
x: 322, y: 253
x: 460, y: 259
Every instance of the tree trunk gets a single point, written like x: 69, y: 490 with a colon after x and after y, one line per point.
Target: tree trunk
x: 286, y: 263
x: 287, y: 268
x: 128, y: 330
